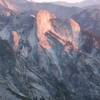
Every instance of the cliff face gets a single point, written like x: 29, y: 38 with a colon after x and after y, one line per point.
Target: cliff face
x: 45, y: 25
x: 16, y: 39
x: 47, y: 57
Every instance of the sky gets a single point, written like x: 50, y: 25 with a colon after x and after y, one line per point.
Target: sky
x: 70, y: 1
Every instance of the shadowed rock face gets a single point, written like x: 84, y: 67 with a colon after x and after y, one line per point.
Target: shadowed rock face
x: 34, y: 71
x: 89, y: 19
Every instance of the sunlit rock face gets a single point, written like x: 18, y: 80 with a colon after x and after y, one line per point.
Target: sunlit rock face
x: 76, y: 32
x: 16, y: 39
x: 6, y: 4
x: 45, y: 25
x: 9, y: 7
